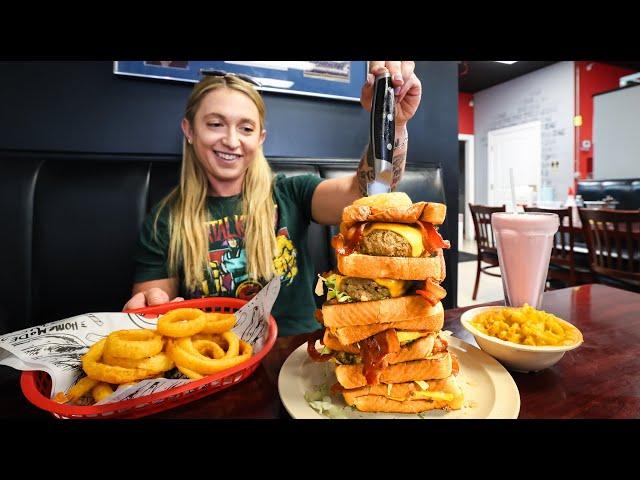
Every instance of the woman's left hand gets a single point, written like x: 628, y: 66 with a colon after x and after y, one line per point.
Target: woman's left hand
x: 407, y: 85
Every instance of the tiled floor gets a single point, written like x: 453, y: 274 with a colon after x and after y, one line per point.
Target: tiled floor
x: 490, y: 288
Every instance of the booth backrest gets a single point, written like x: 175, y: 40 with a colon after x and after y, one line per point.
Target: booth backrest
x: 70, y: 224
x: 626, y: 191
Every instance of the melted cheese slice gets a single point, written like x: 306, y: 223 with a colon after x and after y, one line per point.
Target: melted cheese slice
x: 406, y: 336
x: 396, y: 287
x: 413, y: 235
x: 426, y: 395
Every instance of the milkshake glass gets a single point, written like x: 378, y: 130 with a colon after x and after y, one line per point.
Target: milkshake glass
x: 524, y: 242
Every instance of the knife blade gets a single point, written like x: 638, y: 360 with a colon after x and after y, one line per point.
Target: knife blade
x: 382, y: 135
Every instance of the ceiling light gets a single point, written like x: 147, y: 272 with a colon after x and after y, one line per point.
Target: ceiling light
x: 508, y: 62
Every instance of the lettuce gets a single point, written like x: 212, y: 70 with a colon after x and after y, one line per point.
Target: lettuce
x: 332, y: 291
x: 321, y: 401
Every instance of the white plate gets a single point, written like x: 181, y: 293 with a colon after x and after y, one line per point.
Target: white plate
x: 488, y: 388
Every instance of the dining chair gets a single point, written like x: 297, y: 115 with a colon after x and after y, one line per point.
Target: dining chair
x: 562, y: 264
x: 613, y: 241
x: 485, y: 241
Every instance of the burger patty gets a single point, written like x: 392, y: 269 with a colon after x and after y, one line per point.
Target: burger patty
x: 385, y: 243
x: 363, y: 289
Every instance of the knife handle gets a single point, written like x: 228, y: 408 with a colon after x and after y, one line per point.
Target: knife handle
x: 383, y: 121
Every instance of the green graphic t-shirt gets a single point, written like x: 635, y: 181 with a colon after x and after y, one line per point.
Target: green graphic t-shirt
x: 226, y: 271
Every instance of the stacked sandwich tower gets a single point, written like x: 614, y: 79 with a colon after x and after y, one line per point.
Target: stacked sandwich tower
x: 383, y: 316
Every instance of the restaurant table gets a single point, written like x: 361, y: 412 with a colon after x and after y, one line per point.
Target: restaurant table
x: 600, y: 379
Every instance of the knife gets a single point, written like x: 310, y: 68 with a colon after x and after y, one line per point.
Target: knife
x: 382, y: 134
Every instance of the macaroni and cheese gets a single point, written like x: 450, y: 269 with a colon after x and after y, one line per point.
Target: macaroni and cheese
x: 526, y: 326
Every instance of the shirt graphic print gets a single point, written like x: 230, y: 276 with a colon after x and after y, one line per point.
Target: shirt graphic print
x: 226, y: 272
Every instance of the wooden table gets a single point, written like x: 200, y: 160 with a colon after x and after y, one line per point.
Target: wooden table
x: 600, y: 379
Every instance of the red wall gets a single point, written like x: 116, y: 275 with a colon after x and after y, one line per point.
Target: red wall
x: 465, y: 113
x: 591, y: 78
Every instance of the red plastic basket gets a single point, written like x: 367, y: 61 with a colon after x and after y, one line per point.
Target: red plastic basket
x: 36, y: 385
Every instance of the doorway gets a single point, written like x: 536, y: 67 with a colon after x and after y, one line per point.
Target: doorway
x: 466, y: 185
x: 514, y: 148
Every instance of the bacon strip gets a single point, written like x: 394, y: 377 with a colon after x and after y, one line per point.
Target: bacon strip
x: 455, y: 365
x: 337, y: 242
x: 354, y: 234
x: 432, y: 292
x: 315, y: 355
x: 337, y: 388
x: 431, y: 237
x: 439, y: 345
x: 428, y: 297
x: 347, y: 244
x: 374, y: 351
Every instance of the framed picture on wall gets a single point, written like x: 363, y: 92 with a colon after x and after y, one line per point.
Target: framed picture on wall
x: 330, y: 79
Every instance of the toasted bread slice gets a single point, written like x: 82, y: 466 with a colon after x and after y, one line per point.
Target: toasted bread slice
x: 347, y: 335
x: 393, y: 207
x: 436, y: 367
x: 399, y: 268
x: 399, y: 309
x: 416, y: 350
x: 385, y: 200
x: 444, y: 393
x: 331, y: 341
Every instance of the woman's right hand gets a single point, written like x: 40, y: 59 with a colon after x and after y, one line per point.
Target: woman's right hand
x: 408, y: 88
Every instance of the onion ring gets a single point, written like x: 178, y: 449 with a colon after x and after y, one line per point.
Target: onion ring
x: 232, y: 343
x: 219, y: 322
x: 190, y: 373
x: 205, y: 336
x: 227, y: 341
x: 156, y: 364
x: 181, y: 351
x: 208, y: 348
x: 109, y: 373
x: 181, y: 322
x: 80, y: 389
x: 135, y: 344
x: 101, y: 391
x: 60, y: 397
x: 245, y: 348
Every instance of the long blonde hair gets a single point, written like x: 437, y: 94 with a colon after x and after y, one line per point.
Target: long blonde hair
x: 189, y: 244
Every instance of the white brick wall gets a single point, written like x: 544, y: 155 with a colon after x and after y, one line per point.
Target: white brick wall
x: 546, y: 95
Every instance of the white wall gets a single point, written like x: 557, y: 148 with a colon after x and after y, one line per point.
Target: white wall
x: 616, y: 134
x: 546, y: 95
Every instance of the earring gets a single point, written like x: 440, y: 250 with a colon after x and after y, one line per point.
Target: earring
x: 190, y: 141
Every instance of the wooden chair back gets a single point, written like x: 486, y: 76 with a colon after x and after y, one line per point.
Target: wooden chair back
x: 613, y: 240
x: 481, y: 215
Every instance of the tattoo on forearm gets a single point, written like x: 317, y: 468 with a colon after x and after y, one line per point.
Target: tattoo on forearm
x: 401, y: 142
x: 399, y: 161
x: 365, y: 172
x: 399, y: 157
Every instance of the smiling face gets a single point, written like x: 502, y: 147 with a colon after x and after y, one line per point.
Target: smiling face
x: 226, y: 133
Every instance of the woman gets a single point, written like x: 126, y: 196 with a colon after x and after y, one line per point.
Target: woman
x: 230, y: 226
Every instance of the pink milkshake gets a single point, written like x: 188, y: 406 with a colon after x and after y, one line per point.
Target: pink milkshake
x: 524, y: 242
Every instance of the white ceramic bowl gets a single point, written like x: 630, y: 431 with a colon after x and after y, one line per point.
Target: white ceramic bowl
x: 521, y: 358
